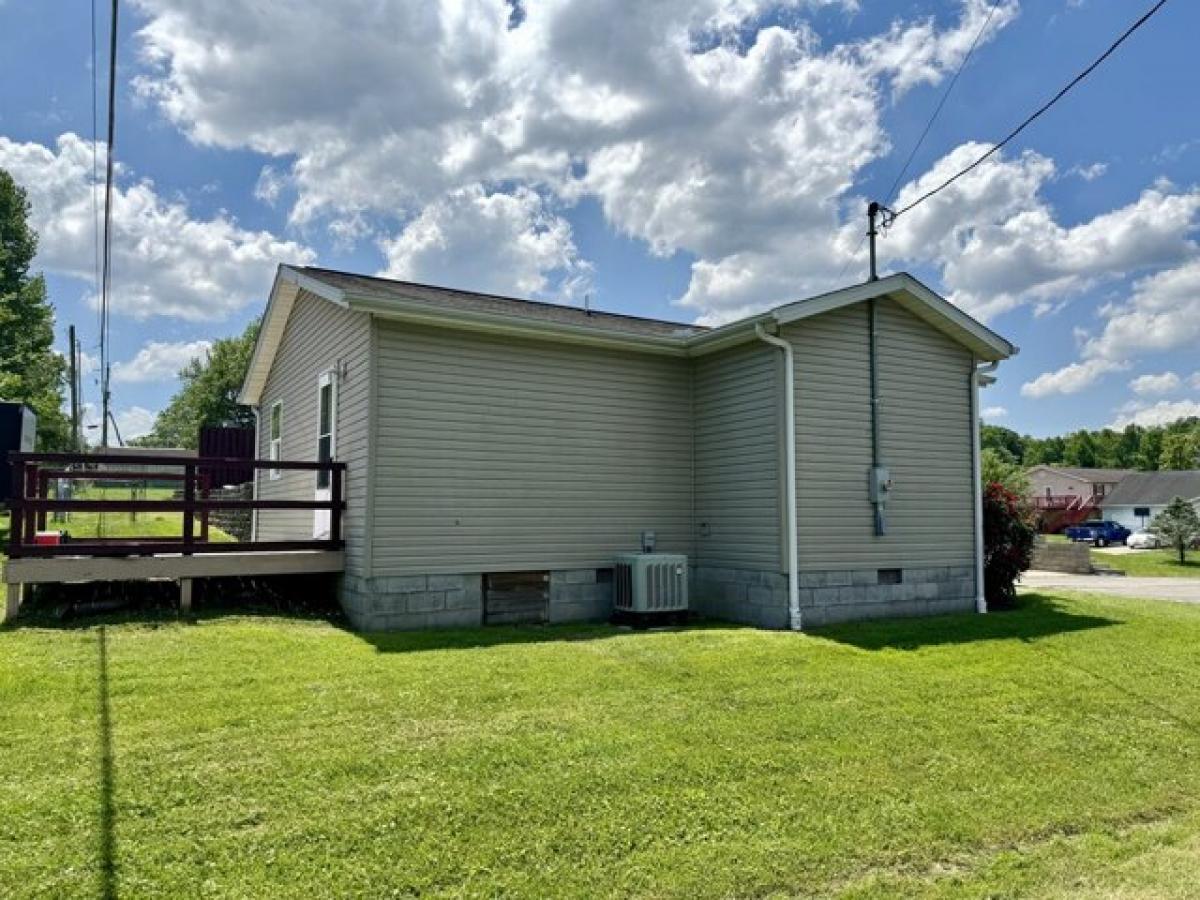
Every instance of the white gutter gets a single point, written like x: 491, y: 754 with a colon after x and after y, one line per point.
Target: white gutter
x: 977, y: 474
x: 789, y: 405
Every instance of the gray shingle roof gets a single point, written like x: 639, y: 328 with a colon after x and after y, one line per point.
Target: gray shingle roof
x: 385, y: 289
x: 1107, y: 476
x: 1154, y: 488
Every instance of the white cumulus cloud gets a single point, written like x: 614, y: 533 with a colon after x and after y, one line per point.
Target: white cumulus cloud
x: 500, y: 242
x: 164, y: 262
x: 1162, y: 313
x: 724, y: 129
x: 1070, y: 379
x: 134, y: 422
x: 159, y: 361
x: 1163, y: 383
x: 1161, y: 413
x: 992, y: 413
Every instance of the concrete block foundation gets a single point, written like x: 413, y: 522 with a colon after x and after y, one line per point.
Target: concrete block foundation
x: 745, y: 596
x: 409, y: 602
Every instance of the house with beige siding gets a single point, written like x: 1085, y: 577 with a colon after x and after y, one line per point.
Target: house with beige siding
x: 817, y: 462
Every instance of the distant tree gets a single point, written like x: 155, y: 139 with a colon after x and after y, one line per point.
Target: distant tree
x: 30, y: 371
x: 1008, y: 535
x: 996, y: 467
x: 1177, y: 526
x: 1107, y: 448
x: 208, y: 395
x: 1150, y: 449
x: 1127, y: 447
x: 1004, y: 441
x: 1080, y: 450
x: 1180, y: 450
x: 1044, y: 451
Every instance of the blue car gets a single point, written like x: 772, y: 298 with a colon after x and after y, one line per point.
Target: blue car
x: 1100, y: 534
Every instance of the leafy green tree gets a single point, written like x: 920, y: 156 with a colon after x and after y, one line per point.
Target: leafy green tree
x: 996, y: 468
x: 1180, y: 450
x: 1080, y: 450
x: 208, y: 395
x: 1045, y: 451
x: 1177, y: 526
x: 1004, y: 441
x: 1150, y: 449
x: 1128, y: 446
x: 30, y: 371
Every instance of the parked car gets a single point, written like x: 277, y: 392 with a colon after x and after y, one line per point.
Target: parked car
x: 1101, y: 534
x: 1143, y: 540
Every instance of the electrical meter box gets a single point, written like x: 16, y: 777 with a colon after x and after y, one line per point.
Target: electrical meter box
x: 880, y: 485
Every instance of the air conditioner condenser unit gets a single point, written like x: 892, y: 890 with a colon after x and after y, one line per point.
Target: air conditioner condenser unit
x: 650, y: 583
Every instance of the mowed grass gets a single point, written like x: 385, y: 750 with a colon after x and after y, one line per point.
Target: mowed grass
x: 1051, y: 751
x: 1151, y: 563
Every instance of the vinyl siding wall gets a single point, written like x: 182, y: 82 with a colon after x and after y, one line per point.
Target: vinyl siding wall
x: 738, y: 401
x: 925, y: 441
x: 317, y: 336
x: 496, y: 454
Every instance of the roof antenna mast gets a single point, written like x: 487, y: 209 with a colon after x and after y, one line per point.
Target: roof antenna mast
x: 878, y: 216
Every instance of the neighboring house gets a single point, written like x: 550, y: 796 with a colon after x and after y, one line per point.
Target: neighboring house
x: 1143, y: 495
x: 1067, y: 495
x: 1068, y: 481
x: 495, y: 444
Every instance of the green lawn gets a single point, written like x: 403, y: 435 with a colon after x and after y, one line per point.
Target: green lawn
x: 1151, y: 563
x: 1053, y: 751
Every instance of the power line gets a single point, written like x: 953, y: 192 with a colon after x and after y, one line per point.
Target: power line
x: 929, y: 124
x: 1043, y: 108
x: 106, y: 278
x: 95, y: 161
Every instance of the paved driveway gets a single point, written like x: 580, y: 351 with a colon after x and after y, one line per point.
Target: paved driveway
x: 1182, y: 590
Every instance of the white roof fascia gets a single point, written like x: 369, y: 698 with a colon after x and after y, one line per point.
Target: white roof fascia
x: 287, y: 284
x: 917, y: 299
x: 472, y: 320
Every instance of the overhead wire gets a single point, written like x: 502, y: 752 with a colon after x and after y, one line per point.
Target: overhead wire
x: 1030, y: 119
x: 106, y: 276
x: 937, y: 110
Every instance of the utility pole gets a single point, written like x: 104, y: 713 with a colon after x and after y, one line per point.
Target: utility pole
x: 104, y: 413
x: 876, y: 211
x: 74, y: 388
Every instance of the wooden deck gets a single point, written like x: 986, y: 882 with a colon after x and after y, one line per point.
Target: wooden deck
x: 50, y: 570
x: 184, y: 558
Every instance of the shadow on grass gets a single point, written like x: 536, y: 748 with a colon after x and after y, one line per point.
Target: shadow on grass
x: 1035, y: 616
x: 498, y: 635
x: 108, y: 829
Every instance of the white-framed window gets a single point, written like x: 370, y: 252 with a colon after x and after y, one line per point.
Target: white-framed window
x: 275, y: 433
x: 326, y: 424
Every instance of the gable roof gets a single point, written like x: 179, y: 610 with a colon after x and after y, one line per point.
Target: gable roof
x: 448, y: 307
x: 1155, y: 488
x: 1092, y: 476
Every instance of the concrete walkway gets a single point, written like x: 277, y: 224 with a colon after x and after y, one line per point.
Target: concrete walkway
x: 1181, y: 590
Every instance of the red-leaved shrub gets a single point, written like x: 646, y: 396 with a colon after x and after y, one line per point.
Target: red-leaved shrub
x: 1008, y: 534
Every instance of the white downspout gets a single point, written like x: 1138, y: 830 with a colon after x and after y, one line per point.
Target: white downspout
x: 789, y: 405
x: 977, y: 484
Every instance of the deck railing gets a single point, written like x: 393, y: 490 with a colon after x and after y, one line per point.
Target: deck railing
x: 34, y: 472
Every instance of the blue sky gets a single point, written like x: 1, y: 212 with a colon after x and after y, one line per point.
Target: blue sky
x: 699, y: 162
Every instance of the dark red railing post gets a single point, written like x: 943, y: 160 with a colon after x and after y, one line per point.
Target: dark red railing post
x: 189, y: 507
x: 335, y: 514
x: 43, y: 491
x: 29, y: 489
x: 16, y: 506
x: 205, y: 478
